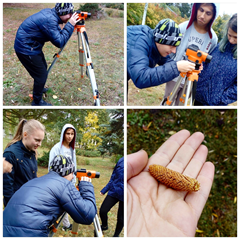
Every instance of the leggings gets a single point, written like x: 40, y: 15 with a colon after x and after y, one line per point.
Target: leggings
x: 37, y: 67
x: 106, y: 206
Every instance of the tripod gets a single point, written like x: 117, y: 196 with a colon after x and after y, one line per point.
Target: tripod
x: 190, y: 83
x: 84, y: 52
x: 196, y: 56
x: 96, y: 224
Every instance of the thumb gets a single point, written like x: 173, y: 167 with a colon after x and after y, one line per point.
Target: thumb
x: 136, y: 162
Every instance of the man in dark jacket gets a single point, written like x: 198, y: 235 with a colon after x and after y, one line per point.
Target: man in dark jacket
x: 115, y: 189
x: 39, y: 202
x: 31, y: 36
x: 148, y: 47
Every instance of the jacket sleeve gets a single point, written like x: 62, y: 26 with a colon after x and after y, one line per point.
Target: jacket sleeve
x: 230, y: 94
x: 144, y: 76
x: 57, y: 36
x: 109, y: 185
x: 80, y: 204
x: 8, y: 178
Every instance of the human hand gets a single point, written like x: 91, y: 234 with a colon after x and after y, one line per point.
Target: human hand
x: 74, y: 19
x: 157, y: 211
x: 86, y: 179
x: 101, y: 194
x: 185, y: 66
x: 7, y: 166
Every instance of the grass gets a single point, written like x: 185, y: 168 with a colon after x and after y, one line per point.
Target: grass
x: 148, y: 129
x: 107, y: 52
x: 105, y: 167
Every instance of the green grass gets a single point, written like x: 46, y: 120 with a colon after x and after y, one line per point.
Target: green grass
x: 148, y: 129
x: 107, y: 52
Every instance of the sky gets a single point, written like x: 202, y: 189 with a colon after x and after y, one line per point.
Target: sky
x: 228, y: 8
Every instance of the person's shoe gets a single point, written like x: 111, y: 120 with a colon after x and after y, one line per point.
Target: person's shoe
x: 45, y: 90
x: 67, y: 228
x: 41, y: 103
x: 104, y: 228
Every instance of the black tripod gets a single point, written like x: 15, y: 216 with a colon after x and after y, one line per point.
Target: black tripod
x: 84, y: 51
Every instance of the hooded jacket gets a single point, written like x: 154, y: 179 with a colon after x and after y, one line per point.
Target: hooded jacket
x: 39, y: 28
x: 115, y: 186
x: 58, y: 148
x: 39, y: 203
x: 143, y: 56
x: 24, y: 168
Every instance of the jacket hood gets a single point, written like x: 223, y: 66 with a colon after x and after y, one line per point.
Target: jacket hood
x: 194, y: 14
x: 65, y: 127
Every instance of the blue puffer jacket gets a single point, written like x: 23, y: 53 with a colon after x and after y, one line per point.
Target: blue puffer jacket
x: 143, y: 56
x: 39, y: 28
x: 39, y: 202
x: 217, y: 84
x: 24, y: 169
x: 115, y: 186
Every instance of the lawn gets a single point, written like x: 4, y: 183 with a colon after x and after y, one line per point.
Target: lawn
x: 148, y: 129
x: 67, y: 88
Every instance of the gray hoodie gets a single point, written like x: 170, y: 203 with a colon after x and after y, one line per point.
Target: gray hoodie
x: 58, y: 148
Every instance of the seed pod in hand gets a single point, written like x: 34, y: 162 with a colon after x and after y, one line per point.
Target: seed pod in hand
x: 173, y: 179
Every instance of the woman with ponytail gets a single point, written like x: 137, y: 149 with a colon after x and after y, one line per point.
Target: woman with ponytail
x: 21, y: 152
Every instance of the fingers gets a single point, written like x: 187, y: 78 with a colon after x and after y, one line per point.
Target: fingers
x: 198, y: 199
x: 186, y: 152
x: 136, y: 162
x: 168, y: 149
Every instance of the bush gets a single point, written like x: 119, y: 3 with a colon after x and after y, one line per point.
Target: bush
x: 115, y: 158
x: 89, y: 7
x: 119, y: 6
x: 43, y: 161
x: 88, y: 153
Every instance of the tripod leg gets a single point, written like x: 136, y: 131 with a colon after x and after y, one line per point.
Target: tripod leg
x: 81, y: 52
x: 74, y: 229
x: 90, y: 70
x: 188, y: 92
x: 182, y: 99
x: 97, y: 226
x: 172, y: 95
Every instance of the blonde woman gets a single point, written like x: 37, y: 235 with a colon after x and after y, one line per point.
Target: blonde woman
x: 21, y: 153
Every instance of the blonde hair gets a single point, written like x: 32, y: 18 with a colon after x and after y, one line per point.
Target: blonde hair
x: 25, y: 126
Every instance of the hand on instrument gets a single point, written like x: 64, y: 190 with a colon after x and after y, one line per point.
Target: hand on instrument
x: 86, y: 179
x: 74, y: 19
x: 157, y: 211
x: 185, y: 66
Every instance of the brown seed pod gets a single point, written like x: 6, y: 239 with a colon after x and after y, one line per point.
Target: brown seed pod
x: 173, y: 179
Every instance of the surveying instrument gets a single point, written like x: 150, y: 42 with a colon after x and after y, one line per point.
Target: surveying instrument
x: 84, y: 52
x: 196, y: 56
x: 97, y: 227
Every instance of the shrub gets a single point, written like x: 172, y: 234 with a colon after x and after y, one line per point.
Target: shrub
x: 89, y: 7
x: 115, y: 158
x: 43, y: 161
x: 88, y: 153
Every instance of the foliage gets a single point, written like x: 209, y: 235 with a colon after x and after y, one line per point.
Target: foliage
x: 44, y: 159
x: 114, y: 158
x: 113, y: 134
x: 88, y: 153
x: 119, y: 6
x: 148, y: 129
x: 89, y: 7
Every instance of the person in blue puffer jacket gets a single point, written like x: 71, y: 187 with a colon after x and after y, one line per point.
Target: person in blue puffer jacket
x: 31, y: 36
x: 217, y: 83
x: 148, y: 47
x: 115, y: 189
x: 40, y: 202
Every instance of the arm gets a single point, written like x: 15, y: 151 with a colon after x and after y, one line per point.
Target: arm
x: 140, y: 71
x: 80, y: 204
x: 230, y: 94
x: 8, y: 178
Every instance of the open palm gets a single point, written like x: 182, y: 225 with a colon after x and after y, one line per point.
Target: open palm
x: 156, y: 210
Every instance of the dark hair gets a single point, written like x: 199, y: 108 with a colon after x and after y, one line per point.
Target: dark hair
x: 232, y: 23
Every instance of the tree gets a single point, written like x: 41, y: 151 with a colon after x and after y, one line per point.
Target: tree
x: 113, y: 134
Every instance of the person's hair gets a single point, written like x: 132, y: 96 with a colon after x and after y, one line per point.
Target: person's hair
x: 214, y: 11
x: 232, y: 23
x: 26, y: 126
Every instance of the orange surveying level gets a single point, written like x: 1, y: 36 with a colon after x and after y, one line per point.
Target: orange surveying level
x: 86, y: 173
x: 84, y: 52
x: 196, y: 56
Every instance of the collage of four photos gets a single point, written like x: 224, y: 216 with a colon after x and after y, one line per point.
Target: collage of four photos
x: 119, y: 119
